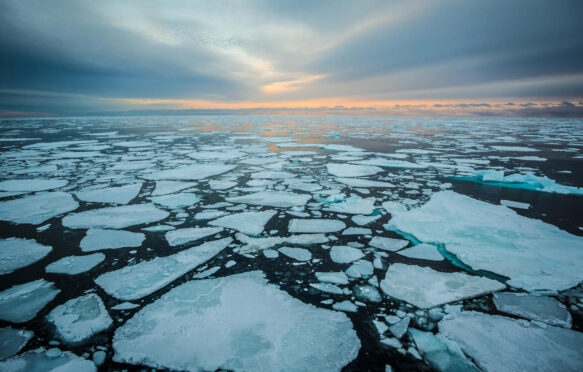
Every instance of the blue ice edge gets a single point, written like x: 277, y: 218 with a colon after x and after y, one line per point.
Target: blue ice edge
x: 531, y: 183
x: 448, y: 255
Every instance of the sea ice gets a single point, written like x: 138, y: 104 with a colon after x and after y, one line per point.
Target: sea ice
x: 173, y: 201
x: 353, y: 205
x: 170, y: 187
x: 423, y: 251
x: 259, y: 244
x: 345, y: 306
x: 533, y: 254
x: 327, y: 287
x: 526, y: 181
x: 238, y: 323
x: 21, y: 303
x: 299, y: 254
x: 361, y: 182
x: 98, y: 239
x: 364, y: 220
x: 191, y: 172
x: 115, y: 217
x: 73, y: 265
x: 114, y: 195
x: 139, y: 280
x: 541, y: 308
x: 332, y: 277
x: 388, y: 244
x: 351, y: 170
x: 32, y: 185
x: 42, y: 360
x: 16, y: 253
x: 514, y: 148
x: 80, y: 318
x: 190, y: 234
x: 38, y: 208
x: 344, y: 254
x: 442, y: 354
x: 272, y: 198
x: 389, y: 163
x: 426, y: 288
x: 514, y: 204
x: 250, y: 223
x: 12, y: 341
x: 315, y: 225
x: 360, y: 269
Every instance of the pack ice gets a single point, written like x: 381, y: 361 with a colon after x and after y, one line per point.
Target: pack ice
x: 18, y: 253
x: 238, y: 323
x: 38, y: 208
x: 533, y: 254
x: 21, y: 303
x: 115, y: 217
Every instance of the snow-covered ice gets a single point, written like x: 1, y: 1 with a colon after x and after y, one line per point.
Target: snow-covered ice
x: 98, y: 239
x: 12, y: 341
x: 423, y: 251
x: 315, y: 225
x: 299, y: 254
x: 190, y: 234
x: 115, y: 217
x: 352, y: 170
x: 541, y: 308
x: 73, y: 265
x: 17, y: 253
x: 21, y: 303
x: 38, y: 208
x: 250, y: 223
x: 173, y: 201
x: 388, y: 244
x: 42, y: 360
x: 32, y: 185
x: 191, y: 172
x: 282, y: 199
x: 441, y: 353
x: 353, y: 205
x: 111, y: 195
x: 344, y: 254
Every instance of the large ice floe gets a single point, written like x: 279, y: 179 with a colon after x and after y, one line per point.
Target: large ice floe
x: 497, y: 343
x: 98, y: 239
x: 12, y: 341
x: 190, y: 172
x: 532, y: 254
x: 250, y: 223
x: 114, y: 195
x: 32, y: 185
x: 352, y: 170
x: 18, y: 253
x: 238, y: 323
x: 38, y: 208
x: 42, y: 360
x: 315, y: 225
x: 139, y: 280
x: 190, y: 234
x: 282, y: 199
x: 541, y: 308
x: 73, y: 265
x: 353, y: 205
x: 425, y: 287
x: 115, y: 217
x: 527, y: 181
x: 21, y: 303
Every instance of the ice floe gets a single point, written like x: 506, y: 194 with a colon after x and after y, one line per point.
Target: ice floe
x: 352, y: 170
x: 190, y: 234
x: 98, y: 239
x: 250, y: 223
x: 21, y: 303
x: 169, y: 187
x: 353, y: 205
x: 315, y: 225
x: 423, y: 251
x: 361, y: 182
x: 42, y: 360
x: 32, y: 185
x: 388, y: 244
x: 527, y: 181
x: 265, y: 328
x: 173, y: 201
x: 344, y: 254
x: 12, y: 341
x: 73, y: 265
x: 299, y: 254
x: 38, y: 208
x: 115, y: 217
x: 272, y: 198
x: 541, y: 308
x: 114, y: 195
x: 259, y: 244
x: 441, y: 353
x: 426, y: 288
x: 17, y: 253
x: 191, y: 172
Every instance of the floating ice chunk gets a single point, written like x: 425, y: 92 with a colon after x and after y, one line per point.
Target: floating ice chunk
x: 529, y: 158
x: 533, y: 254
x: 388, y: 244
x: 191, y: 172
x: 272, y: 175
x: 394, y: 207
x: 514, y: 204
x: 242, y: 311
x: 332, y: 277
x: 173, y: 201
x: 345, y: 306
x: 367, y: 293
x: 222, y: 184
x: 21, y: 303
x: 73, y: 265
x: 425, y: 287
x: 299, y: 254
x: 216, y: 155
x: 327, y: 287
x: 37, y: 208
x: 42, y: 360
x: 544, y: 309
x: 442, y: 354
x: 344, y: 254
x: 209, y: 214
x: 400, y: 328
x: 381, y: 162
x: 270, y: 253
x: 17, y: 253
x: 514, y: 148
x: 250, y: 223
x: 423, y: 251
x: 80, y: 318
x: 12, y: 341
x: 124, y: 306
x: 353, y: 205
x: 170, y: 187
x: 115, y: 217
x: 356, y: 231
x: 364, y: 220
x: 187, y: 235
x: 361, y: 182
x: 113, y: 195
x: 315, y: 225
x: 351, y: 170
x: 258, y: 244
x: 97, y: 239
x: 136, y: 281
x: 272, y: 198
x: 526, y: 181
x: 498, y: 343
x: 132, y: 165
x: 32, y: 185
x: 360, y: 269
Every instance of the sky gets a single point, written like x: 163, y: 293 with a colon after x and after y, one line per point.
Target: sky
x: 438, y: 57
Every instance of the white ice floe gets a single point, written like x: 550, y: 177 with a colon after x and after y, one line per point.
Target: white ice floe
x: 12, y: 341
x: 442, y: 354
x: 497, y: 343
x: 17, y: 253
x: 191, y: 172
x: 541, y: 308
x: 209, y: 214
x: 42, y: 360
x: 514, y: 148
x: 250, y: 223
x: 327, y: 287
x: 332, y: 277
x: 299, y: 254
x: 216, y: 155
x: 352, y: 170
x: 527, y: 181
x: 426, y: 288
x: 98, y: 239
x: 173, y: 201
x: 73, y: 265
x: 533, y: 254
x: 272, y: 198
x: 315, y: 225
x: 37, y: 208
x: 270, y: 253
x: 361, y: 182
x: 264, y: 328
x: 345, y: 306
x: 344, y: 254
x: 190, y: 234
x: 222, y: 184
x: 360, y: 269
x: 113, y: 195
x: 21, y: 303
x: 353, y: 205
x: 514, y: 204
x: 115, y: 217
x: 364, y: 220
x: 259, y: 244
x: 80, y: 318
x: 170, y: 187
x: 136, y: 281
x: 423, y: 251
x: 357, y: 231
x: 388, y: 244
x: 367, y: 293
x: 32, y: 185
x: 381, y: 162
